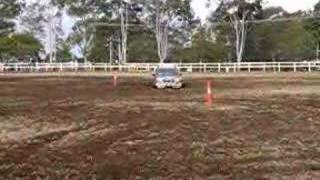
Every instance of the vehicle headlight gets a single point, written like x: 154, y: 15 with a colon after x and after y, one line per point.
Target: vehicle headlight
x: 178, y: 79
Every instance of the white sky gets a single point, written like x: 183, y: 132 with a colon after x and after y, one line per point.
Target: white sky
x: 201, y: 11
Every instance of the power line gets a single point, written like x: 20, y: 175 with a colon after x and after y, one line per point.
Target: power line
x: 101, y: 24
x: 271, y: 20
x: 284, y: 19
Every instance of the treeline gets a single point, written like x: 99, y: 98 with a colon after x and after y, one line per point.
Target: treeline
x: 156, y: 30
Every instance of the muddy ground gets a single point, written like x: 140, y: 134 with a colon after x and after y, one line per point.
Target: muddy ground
x: 259, y: 127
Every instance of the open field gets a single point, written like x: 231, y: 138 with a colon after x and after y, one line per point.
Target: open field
x: 261, y: 126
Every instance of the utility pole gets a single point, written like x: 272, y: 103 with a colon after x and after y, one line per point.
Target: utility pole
x: 124, y: 8
x: 85, y: 46
x: 50, y: 39
x: 318, y: 50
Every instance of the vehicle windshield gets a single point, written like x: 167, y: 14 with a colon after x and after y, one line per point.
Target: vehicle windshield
x: 166, y: 72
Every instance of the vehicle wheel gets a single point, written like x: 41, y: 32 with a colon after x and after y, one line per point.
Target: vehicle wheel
x: 178, y: 86
x: 160, y: 87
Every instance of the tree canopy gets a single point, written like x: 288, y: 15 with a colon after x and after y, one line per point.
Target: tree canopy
x: 9, y: 9
x: 157, y: 31
x: 21, y: 46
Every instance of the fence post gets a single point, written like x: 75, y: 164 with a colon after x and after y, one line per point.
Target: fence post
x: 77, y: 66
x: 295, y: 67
x: 264, y: 67
x: 148, y: 68
x: 309, y: 67
x: 219, y: 67
x: 37, y: 67
x: 279, y: 67
x: 249, y: 67
x: 61, y: 68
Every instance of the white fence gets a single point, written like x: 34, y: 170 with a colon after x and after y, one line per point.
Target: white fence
x: 148, y: 67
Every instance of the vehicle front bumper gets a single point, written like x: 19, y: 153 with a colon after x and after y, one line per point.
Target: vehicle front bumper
x: 168, y: 84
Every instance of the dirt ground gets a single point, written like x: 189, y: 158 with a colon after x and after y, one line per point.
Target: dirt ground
x: 259, y: 127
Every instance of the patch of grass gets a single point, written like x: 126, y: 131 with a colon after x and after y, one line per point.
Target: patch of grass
x: 198, y: 150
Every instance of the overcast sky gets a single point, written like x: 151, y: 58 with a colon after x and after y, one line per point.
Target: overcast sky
x: 201, y: 11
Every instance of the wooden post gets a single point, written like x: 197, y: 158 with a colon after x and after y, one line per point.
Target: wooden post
x: 219, y: 67
x: 295, y: 67
x: 279, y: 67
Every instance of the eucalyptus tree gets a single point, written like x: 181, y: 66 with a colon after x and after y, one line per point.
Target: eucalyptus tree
x: 114, y: 15
x: 20, y: 45
x: 9, y: 9
x: 165, y: 17
x: 313, y: 27
x: 83, y: 12
x: 43, y: 19
x: 238, y: 13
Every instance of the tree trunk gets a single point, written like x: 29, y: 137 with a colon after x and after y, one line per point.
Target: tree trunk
x: 124, y: 32
x: 120, y: 58
x: 110, y: 51
x: 240, y: 28
x: 236, y: 26
x: 161, y: 34
x: 243, y: 39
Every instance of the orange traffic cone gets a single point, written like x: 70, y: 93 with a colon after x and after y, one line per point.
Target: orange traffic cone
x: 115, y: 79
x: 209, y: 96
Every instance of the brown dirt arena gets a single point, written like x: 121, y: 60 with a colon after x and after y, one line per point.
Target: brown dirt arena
x: 261, y: 126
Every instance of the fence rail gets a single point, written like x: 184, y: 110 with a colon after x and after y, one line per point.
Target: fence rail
x: 148, y: 67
